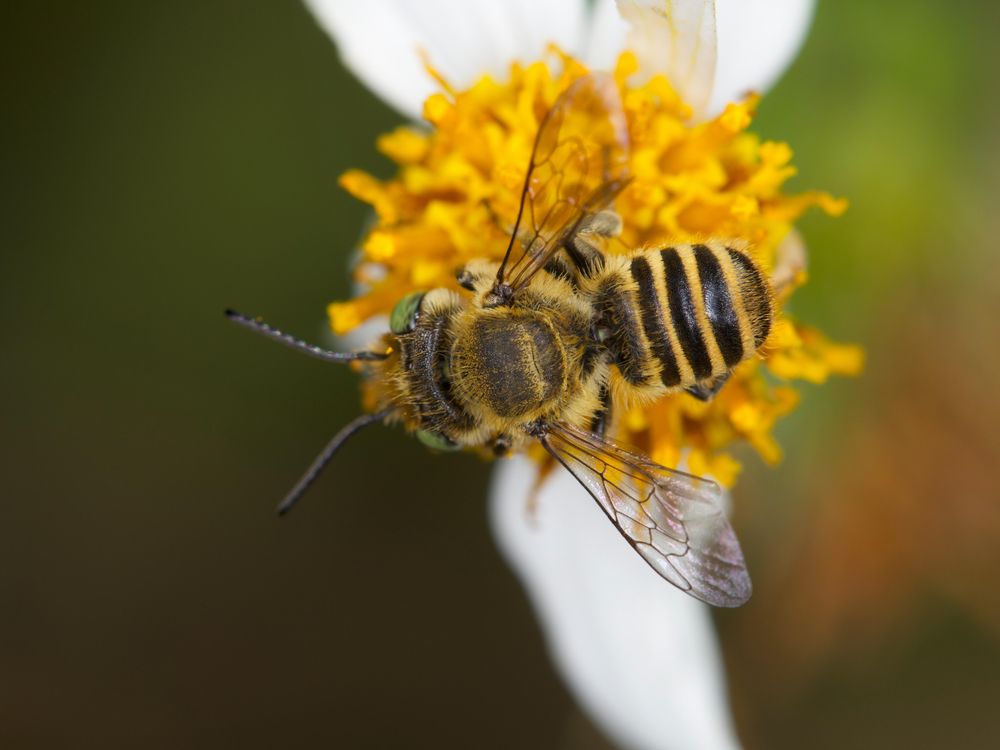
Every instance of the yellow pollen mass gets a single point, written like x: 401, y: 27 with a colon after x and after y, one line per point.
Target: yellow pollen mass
x: 458, y: 185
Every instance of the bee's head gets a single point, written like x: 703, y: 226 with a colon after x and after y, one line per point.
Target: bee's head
x: 422, y: 324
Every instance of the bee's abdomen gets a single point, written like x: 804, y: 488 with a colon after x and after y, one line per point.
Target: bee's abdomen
x: 620, y: 315
x: 653, y: 314
x: 755, y: 296
x: 696, y: 312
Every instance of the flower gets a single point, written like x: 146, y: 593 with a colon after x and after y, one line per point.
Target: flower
x: 640, y: 657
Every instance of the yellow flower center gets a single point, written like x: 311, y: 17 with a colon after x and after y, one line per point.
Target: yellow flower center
x: 458, y: 186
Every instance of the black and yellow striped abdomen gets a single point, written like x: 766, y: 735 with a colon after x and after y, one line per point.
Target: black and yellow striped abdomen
x: 682, y: 315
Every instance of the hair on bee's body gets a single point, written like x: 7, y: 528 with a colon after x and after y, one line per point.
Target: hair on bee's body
x: 475, y: 374
x: 416, y: 376
x: 550, y: 302
x: 556, y: 335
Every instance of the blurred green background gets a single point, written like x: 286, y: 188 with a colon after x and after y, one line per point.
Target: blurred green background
x: 161, y: 161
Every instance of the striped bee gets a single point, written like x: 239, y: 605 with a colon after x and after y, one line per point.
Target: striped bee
x: 551, y: 338
x: 682, y: 316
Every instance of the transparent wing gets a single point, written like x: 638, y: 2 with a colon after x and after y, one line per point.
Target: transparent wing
x: 672, y: 519
x: 579, y: 163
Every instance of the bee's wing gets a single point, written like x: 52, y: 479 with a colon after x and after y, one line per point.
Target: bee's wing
x: 672, y: 519
x: 579, y: 163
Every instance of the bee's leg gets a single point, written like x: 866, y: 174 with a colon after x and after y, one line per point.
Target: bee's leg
x: 705, y: 391
x: 585, y: 255
x: 605, y: 223
x: 558, y: 268
x: 475, y: 276
x: 501, y: 445
x: 601, y: 420
x: 582, y: 249
x: 465, y: 279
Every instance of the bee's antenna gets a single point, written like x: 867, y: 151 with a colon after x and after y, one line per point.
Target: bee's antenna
x: 324, y: 457
x: 259, y: 326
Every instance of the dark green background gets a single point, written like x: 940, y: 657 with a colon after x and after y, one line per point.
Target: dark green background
x: 161, y: 161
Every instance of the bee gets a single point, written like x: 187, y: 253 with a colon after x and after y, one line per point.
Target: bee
x: 549, y: 339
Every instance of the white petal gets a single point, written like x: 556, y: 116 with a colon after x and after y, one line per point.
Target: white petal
x: 791, y: 259
x: 639, y: 655
x: 675, y: 37
x: 755, y: 41
x: 758, y: 39
x: 606, y: 35
x: 381, y: 40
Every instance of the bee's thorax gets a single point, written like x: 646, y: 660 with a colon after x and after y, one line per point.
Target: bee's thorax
x: 508, y: 364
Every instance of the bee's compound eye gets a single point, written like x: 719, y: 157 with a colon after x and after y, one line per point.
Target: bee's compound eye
x: 436, y: 440
x: 404, y: 315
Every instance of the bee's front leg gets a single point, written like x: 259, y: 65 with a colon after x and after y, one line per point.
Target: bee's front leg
x: 501, y: 445
x: 601, y: 420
